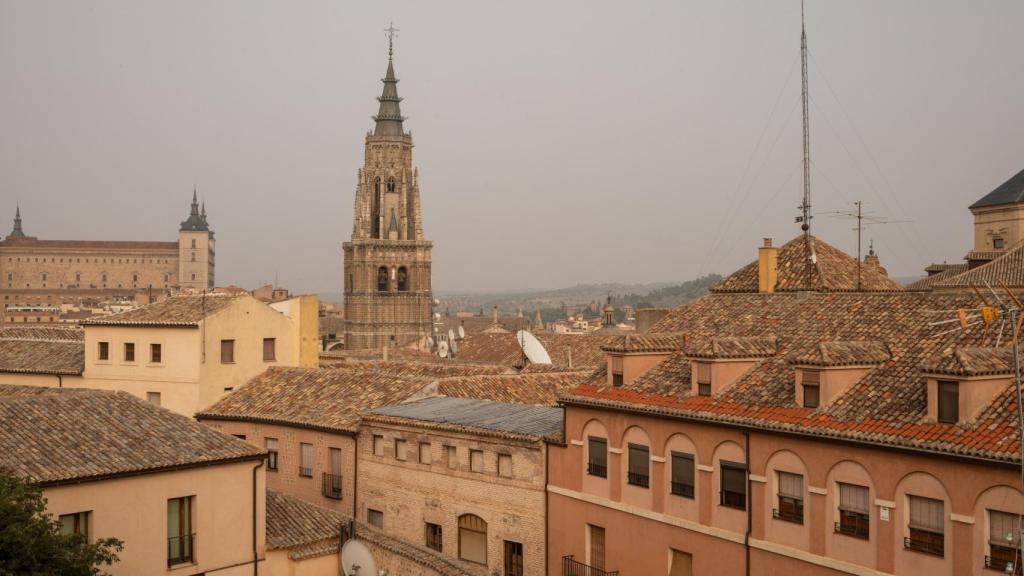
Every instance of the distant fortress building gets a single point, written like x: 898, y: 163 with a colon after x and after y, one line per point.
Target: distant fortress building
x: 387, y: 262
x: 34, y: 270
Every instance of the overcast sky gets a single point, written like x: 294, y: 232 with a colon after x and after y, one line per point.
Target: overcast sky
x: 558, y: 142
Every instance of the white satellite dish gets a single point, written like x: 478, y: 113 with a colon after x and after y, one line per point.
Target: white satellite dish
x: 356, y: 559
x: 451, y: 335
x: 462, y: 332
x: 455, y: 347
x: 442, y: 349
x: 532, y: 347
x: 437, y: 315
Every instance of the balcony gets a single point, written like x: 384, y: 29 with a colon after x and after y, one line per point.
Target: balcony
x: 855, y: 529
x: 595, y: 469
x: 928, y: 545
x: 732, y: 499
x: 330, y: 486
x: 682, y: 489
x: 637, y: 479
x: 794, y: 515
x: 181, y: 549
x: 1003, y: 560
x: 305, y: 472
x: 571, y: 567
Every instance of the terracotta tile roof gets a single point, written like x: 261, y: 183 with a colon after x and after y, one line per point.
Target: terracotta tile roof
x: 65, y: 357
x: 51, y: 333
x: 948, y: 271
x: 971, y: 361
x: 725, y: 347
x: 887, y: 407
x: 983, y: 255
x: 520, y: 421
x: 182, y: 310
x: 807, y: 263
x: 292, y: 522
x: 55, y: 436
x: 503, y: 349
x: 633, y: 343
x: 851, y: 353
x: 329, y: 399
x: 540, y: 388
x: 433, y: 561
x: 443, y: 369
x: 1007, y: 269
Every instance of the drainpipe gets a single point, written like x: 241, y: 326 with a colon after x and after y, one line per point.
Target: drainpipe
x: 355, y: 479
x: 60, y: 380
x: 547, y: 512
x: 750, y: 501
x: 255, y: 550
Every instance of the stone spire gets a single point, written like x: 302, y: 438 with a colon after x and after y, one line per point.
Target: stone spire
x: 17, y: 232
x: 195, y: 221
x: 609, y: 313
x: 389, y: 116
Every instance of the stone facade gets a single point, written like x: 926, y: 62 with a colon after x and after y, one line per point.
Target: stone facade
x: 411, y: 493
x: 387, y: 262
x: 33, y: 267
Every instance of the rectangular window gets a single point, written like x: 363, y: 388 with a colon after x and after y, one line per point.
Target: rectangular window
x: 432, y: 536
x: 617, y: 371
x: 129, y: 351
x: 595, y: 549
x: 153, y: 398
x: 331, y: 482
x: 597, y: 456
x: 239, y: 436
x: 682, y: 564
x: 505, y: 465
x: 155, y: 353
x: 639, y: 466
x: 77, y: 523
x: 306, y: 464
x: 703, y: 378
x: 791, y: 497
x: 682, y: 474
x: 180, y: 535
x: 1004, y: 541
x: 513, y: 558
x: 451, y: 457
x: 103, y: 353
x: 272, y: 454
x: 734, y: 485
x: 227, y: 351
x: 476, y: 461
x: 269, y: 349
x: 375, y: 518
x: 949, y: 401
x: 378, y: 445
x: 400, y: 449
x: 926, y: 526
x: 425, y: 453
x: 811, y: 382
x: 854, y: 511
x: 997, y: 244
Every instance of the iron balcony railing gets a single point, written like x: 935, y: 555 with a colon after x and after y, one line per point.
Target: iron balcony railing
x: 595, y: 469
x: 795, y: 516
x: 851, y: 529
x: 1004, y: 565
x: 733, y: 499
x: 571, y: 567
x: 181, y: 549
x: 928, y: 547
x: 682, y: 489
x: 637, y: 479
x: 305, y: 472
x: 330, y: 486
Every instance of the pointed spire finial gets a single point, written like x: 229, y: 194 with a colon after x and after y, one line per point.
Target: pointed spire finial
x: 17, y: 231
x: 391, y: 31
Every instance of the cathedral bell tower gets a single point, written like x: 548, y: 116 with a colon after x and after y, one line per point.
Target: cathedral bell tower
x: 387, y: 262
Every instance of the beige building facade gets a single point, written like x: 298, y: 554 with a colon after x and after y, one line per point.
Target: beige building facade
x: 387, y: 263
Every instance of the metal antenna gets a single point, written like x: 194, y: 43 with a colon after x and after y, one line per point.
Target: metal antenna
x: 864, y: 219
x: 805, y: 218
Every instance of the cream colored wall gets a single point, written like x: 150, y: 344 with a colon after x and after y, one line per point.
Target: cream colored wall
x: 279, y: 564
x: 1006, y: 222
x: 26, y: 264
x: 134, y: 509
x: 202, y: 264
x: 42, y: 380
x: 175, y: 377
x: 304, y: 311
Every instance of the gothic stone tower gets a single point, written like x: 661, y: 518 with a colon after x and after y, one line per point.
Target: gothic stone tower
x: 196, y: 250
x: 387, y: 262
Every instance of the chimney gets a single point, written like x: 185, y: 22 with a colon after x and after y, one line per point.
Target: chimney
x: 767, y: 267
x: 495, y: 313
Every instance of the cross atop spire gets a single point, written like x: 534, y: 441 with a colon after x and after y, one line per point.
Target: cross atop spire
x: 391, y: 31
x: 17, y: 232
x: 389, y: 116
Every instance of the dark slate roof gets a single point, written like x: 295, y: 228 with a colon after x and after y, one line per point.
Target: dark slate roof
x: 535, y: 422
x: 1008, y: 192
x: 807, y: 263
x: 60, y: 435
x: 185, y: 310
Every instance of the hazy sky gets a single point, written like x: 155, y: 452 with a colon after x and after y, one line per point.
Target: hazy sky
x: 558, y: 142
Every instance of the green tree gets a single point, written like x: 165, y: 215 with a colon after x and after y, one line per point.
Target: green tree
x: 31, y: 541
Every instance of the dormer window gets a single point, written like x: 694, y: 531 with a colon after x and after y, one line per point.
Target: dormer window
x: 703, y: 378
x: 949, y: 401
x: 811, y: 382
x: 617, y: 371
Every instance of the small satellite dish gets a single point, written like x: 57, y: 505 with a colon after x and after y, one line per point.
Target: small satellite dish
x: 356, y: 559
x: 437, y: 315
x: 462, y: 332
x: 437, y: 302
x: 451, y: 335
x: 532, y: 347
x: 442, y: 349
x: 430, y: 342
x: 455, y: 347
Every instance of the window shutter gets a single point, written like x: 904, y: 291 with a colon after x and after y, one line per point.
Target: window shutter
x: 682, y: 468
x: 1001, y: 525
x: 926, y: 514
x: 791, y: 485
x: 639, y: 457
x: 853, y: 498
x: 734, y: 478
x: 703, y: 373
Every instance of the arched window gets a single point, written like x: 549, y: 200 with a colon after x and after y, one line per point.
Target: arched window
x: 375, y: 210
x: 382, y: 279
x: 403, y: 280
x: 473, y: 539
x: 391, y: 183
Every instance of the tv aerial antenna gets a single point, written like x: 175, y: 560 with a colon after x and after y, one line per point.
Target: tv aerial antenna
x: 864, y: 219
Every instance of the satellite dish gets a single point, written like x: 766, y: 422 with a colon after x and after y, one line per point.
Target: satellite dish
x: 356, y: 559
x: 442, y: 349
x: 437, y: 315
x: 532, y: 347
x: 451, y: 335
x: 462, y: 332
x: 455, y: 347
x: 437, y: 302
x: 430, y: 342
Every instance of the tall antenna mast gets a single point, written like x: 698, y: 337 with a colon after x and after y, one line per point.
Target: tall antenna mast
x: 805, y: 206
